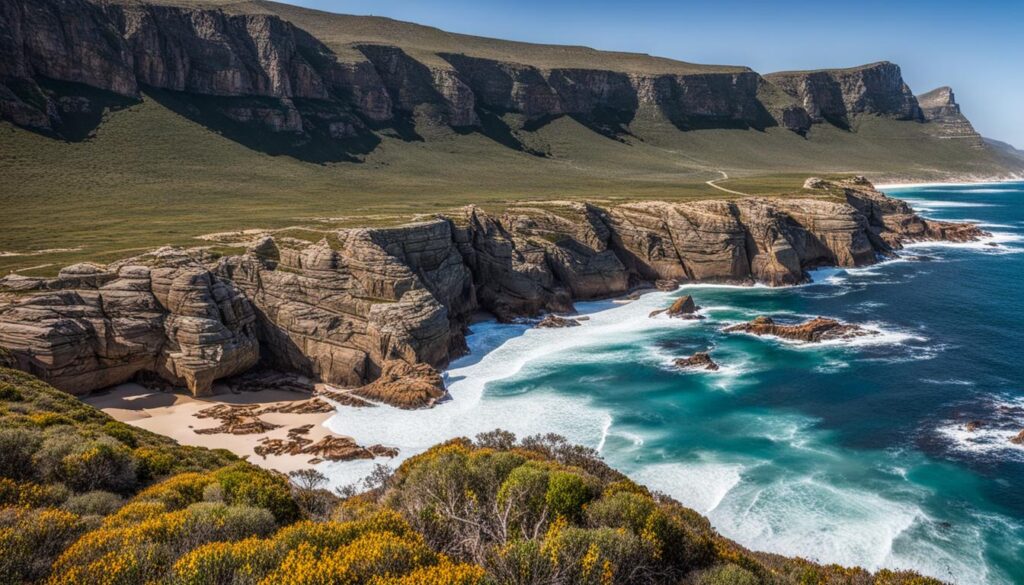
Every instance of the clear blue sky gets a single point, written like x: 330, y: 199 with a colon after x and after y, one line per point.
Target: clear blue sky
x: 977, y: 47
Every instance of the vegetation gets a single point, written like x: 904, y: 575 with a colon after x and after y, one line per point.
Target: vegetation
x: 84, y: 499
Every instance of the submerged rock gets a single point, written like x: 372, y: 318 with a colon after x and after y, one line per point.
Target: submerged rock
x: 682, y: 308
x: 973, y: 425
x: 556, y: 322
x: 813, y: 331
x: 700, y: 360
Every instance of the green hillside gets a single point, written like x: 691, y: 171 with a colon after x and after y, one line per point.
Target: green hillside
x: 150, y: 177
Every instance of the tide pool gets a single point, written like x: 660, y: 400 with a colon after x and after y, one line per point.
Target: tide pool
x: 847, y: 452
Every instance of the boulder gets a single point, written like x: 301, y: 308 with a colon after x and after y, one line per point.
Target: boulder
x: 405, y: 385
x: 1018, y: 439
x: 700, y: 360
x: 681, y: 308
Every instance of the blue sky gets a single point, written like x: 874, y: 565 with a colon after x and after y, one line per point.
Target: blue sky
x: 977, y: 47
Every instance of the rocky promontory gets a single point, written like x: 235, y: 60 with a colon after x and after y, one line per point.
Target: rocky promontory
x: 813, y: 331
x: 380, y: 310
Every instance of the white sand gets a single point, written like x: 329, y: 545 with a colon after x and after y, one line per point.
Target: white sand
x: 172, y: 415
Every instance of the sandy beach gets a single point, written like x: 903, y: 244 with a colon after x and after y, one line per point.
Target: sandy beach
x: 173, y: 415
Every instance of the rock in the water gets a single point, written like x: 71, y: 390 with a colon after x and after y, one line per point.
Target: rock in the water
x: 682, y: 308
x: 700, y: 360
x: 1018, y: 439
x: 405, y: 385
x: 973, y: 425
x: 556, y: 322
x: 816, y: 330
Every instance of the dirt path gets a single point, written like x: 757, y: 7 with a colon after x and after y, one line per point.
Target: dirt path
x: 725, y: 176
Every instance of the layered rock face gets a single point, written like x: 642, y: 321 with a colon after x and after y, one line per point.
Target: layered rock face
x: 836, y: 95
x: 164, y: 313
x: 380, y: 309
x: 940, y: 108
x: 66, y: 61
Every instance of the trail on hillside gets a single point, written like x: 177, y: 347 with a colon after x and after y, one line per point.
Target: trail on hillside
x: 725, y: 176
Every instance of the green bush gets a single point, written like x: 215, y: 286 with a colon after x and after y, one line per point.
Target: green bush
x: 567, y: 493
x: 17, y: 446
x: 243, y: 483
x: 94, y: 503
x: 100, y: 466
x: 10, y: 393
x: 121, y: 432
x: 727, y: 575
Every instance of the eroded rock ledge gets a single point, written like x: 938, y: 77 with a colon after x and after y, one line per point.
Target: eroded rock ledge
x: 368, y: 307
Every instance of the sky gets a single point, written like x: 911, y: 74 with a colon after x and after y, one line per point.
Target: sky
x: 976, y: 47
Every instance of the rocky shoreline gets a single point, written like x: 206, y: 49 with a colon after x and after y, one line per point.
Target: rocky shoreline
x: 381, y: 310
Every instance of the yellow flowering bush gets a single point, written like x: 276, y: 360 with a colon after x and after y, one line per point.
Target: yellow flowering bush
x: 30, y: 539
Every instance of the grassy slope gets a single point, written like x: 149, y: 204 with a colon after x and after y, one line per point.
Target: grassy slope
x: 150, y: 177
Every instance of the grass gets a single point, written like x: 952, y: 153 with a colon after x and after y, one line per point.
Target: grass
x: 150, y: 177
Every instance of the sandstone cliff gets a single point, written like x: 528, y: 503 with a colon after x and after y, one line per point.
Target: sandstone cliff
x: 254, y: 75
x: 837, y: 95
x: 940, y: 108
x: 363, y: 304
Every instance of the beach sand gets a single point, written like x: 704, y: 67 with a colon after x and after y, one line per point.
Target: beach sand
x: 172, y: 415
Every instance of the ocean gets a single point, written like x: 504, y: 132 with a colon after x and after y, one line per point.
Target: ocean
x: 852, y: 452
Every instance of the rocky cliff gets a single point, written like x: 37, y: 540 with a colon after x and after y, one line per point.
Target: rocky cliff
x: 939, y: 107
x: 837, y: 95
x: 259, y: 78
x: 367, y: 302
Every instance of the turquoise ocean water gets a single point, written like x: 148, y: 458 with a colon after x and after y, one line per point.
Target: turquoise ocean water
x: 853, y: 452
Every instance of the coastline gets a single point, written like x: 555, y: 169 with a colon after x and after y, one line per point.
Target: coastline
x: 173, y: 415
x: 980, y: 183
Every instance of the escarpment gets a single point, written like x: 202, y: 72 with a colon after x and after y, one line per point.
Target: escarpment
x: 362, y: 306
x: 836, y: 95
x: 940, y: 108
x: 325, y: 87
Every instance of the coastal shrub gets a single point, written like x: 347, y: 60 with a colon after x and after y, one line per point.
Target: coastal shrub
x: 100, y: 466
x: 372, y: 554
x: 17, y: 446
x: 121, y: 432
x: 10, y: 393
x: 27, y: 494
x: 599, y: 556
x: 444, y: 572
x: 144, y: 551
x: 155, y: 462
x: 94, y: 503
x: 244, y: 483
x: 728, y: 574
x: 244, y: 562
x: 568, y: 493
x: 31, y: 539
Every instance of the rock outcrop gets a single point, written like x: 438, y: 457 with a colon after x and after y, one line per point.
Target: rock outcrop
x: 814, y: 331
x: 681, y: 308
x: 556, y: 322
x: 698, y: 361
x: 381, y: 310
x: 164, y: 312
x: 940, y: 108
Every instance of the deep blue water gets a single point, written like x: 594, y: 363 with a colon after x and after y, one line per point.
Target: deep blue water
x: 854, y: 453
